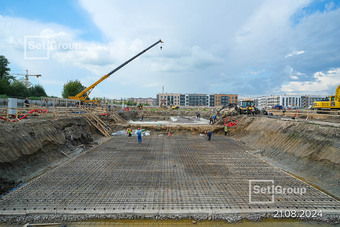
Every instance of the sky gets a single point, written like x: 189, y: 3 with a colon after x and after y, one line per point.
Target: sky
x: 246, y: 47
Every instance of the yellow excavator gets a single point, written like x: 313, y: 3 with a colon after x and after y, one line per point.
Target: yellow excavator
x: 247, y: 106
x: 332, y: 102
x: 82, y: 96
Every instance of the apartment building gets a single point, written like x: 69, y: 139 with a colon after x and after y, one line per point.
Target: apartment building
x: 299, y: 101
x: 225, y: 99
x: 150, y: 101
x: 169, y: 99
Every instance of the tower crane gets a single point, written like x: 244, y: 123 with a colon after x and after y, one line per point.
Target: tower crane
x: 26, y: 76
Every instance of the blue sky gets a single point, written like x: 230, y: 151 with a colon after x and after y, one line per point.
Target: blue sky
x: 248, y: 47
x: 67, y: 13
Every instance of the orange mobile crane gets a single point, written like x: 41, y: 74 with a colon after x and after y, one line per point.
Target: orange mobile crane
x: 86, y: 92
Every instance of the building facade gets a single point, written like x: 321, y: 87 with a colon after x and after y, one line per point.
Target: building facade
x: 307, y: 100
x: 150, y: 101
x: 168, y: 99
x: 287, y: 101
x: 225, y: 99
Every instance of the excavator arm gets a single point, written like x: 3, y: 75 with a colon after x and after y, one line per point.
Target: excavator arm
x: 337, y: 93
x: 86, y: 92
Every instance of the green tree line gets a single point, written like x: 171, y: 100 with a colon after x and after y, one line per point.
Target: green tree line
x: 10, y: 87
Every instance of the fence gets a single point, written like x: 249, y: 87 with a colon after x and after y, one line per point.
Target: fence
x: 308, y: 114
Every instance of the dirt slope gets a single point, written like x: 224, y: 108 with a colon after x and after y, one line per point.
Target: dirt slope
x: 305, y: 149
x: 29, y: 148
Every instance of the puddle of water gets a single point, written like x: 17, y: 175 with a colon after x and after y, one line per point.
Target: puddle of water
x: 123, y: 133
x: 174, y: 120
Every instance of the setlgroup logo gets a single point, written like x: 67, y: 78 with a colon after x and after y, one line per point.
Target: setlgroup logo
x: 39, y: 47
x: 264, y: 191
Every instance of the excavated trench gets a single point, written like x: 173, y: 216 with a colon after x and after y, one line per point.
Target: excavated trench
x: 47, y: 152
x: 30, y: 148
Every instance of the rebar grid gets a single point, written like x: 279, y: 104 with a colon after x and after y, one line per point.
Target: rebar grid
x: 175, y: 174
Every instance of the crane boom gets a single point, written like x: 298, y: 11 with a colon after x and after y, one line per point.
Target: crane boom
x: 86, y: 92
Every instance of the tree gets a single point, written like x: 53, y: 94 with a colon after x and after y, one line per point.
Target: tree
x: 37, y: 91
x: 72, y: 88
x: 4, y: 76
x: 18, y: 89
x: 4, y: 70
x: 4, y: 86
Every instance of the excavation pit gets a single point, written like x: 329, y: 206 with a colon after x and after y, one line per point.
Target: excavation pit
x: 163, y: 176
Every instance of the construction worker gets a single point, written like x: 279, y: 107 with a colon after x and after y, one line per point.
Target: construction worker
x: 198, y: 115
x: 208, y: 134
x: 129, y: 132
x: 211, y: 119
x: 226, y: 130
x: 27, y: 103
x: 214, y: 117
x: 139, y: 135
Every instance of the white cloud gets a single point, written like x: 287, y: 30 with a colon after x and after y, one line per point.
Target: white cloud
x: 321, y: 84
x: 243, y: 47
x: 295, y: 52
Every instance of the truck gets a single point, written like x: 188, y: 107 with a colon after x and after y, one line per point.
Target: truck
x: 331, y: 103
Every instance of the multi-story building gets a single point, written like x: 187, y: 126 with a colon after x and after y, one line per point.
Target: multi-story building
x: 197, y: 100
x: 225, y: 99
x: 287, y: 101
x: 169, y: 99
x: 290, y: 101
x: 307, y: 100
x: 150, y: 101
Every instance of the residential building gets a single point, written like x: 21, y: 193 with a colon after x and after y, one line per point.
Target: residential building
x: 197, y: 100
x: 307, y: 100
x: 225, y: 99
x: 290, y: 101
x: 150, y: 101
x: 287, y: 101
x: 169, y: 99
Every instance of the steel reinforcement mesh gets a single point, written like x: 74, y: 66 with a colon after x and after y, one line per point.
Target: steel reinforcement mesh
x: 164, y: 174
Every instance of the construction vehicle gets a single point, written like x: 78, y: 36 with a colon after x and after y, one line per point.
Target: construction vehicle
x: 247, y: 106
x: 332, y: 102
x: 278, y: 107
x: 82, y: 96
x: 230, y: 105
x: 174, y: 107
x: 140, y: 106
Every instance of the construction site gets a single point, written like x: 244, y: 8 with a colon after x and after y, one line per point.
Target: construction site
x: 71, y: 162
